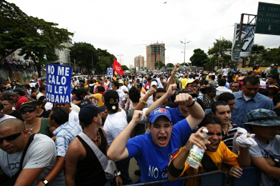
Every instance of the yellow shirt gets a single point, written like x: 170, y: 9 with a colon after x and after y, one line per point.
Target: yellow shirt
x: 222, y: 155
x: 99, y: 99
x: 184, y: 82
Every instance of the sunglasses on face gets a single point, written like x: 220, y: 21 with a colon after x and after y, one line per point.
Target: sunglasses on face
x: 11, y: 137
x: 27, y: 110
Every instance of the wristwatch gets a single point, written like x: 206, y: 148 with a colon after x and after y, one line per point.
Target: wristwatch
x: 118, y: 173
x: 45, y: 182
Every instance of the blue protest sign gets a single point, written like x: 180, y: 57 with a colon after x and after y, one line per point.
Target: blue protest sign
x: 58, y: 88
x: 109, y: 71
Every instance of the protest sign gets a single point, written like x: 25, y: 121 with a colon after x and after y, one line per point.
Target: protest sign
x: 58, y: 88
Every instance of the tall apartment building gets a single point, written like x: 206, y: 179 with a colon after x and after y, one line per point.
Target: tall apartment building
x: 155, y: 52
x: 138, y: 62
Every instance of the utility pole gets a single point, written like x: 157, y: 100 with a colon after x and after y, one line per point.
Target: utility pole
x: 120, y: 58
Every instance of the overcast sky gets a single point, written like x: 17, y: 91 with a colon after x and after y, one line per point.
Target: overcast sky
x: 125, y: 27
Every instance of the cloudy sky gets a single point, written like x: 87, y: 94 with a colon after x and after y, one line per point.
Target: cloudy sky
x: 125, y: 27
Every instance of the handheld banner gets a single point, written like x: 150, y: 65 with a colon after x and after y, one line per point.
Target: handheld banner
x: 58, y: 88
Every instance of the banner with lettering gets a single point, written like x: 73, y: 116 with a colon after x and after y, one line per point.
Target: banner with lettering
x: 58, y: 88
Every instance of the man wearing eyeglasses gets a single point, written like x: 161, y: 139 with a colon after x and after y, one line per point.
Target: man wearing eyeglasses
x: 38, y: 160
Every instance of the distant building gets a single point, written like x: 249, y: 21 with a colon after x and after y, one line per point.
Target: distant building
x: 155, y: 52
x: 138, y: 62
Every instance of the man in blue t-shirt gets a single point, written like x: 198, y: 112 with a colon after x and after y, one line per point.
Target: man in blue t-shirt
x: 153, y: 150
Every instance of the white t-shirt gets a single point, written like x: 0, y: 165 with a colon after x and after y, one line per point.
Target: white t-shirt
x: 121, y: 97
x: 225, y: 71
x: 41, y: 153
x: 74, y: 117
x: 124, y: 88
x: 6, y: 117
x: 114, y: 124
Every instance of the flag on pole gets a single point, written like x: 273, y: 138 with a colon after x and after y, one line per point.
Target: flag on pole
x: 117, y: 67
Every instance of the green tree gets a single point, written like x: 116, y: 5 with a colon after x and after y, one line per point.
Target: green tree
x: 256, y: 57
x: 159, y: 64
x: 221, y: 50
x: 84, y: 55
x: 104, y: 60
x: 170, y: 65
x: 199, y: 57
x: 272, y: 55
x: 124, y: 67
x: 36, y: 37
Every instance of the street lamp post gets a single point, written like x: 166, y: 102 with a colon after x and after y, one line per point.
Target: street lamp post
x: 185, y: 51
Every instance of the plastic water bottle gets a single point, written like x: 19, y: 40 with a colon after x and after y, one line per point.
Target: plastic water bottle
x: 196, y: 153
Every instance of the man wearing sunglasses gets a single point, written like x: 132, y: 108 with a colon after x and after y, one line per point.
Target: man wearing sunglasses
x: 38, y: 160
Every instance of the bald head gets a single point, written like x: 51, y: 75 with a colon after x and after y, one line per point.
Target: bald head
x: 12, y: 122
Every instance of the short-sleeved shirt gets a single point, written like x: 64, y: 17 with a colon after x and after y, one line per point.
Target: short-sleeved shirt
x: 65, y: 133
x: 222, y: 155
x: 40, y: 154
x: 270, y: 150
x: 152, y: 159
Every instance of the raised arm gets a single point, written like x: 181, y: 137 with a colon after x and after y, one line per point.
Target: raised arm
x: 177, y: 165
x: 176, y: 69
x: 118, y: 150
x: 171, y: 90
x: 142, y: 102
x: 196, y: 112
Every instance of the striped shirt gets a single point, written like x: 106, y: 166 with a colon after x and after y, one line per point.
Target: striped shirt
x: 228, y: 137
x: 65, y: 133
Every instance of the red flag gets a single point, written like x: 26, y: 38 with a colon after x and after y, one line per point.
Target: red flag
x: 117, y: 67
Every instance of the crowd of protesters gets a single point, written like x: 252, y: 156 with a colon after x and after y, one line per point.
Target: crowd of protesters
x: 153, y: 118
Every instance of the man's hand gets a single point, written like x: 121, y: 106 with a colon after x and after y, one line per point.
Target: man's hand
x: 177, y: 67
x: 197, y: 139
x: 151, y: 91
x: 235, y: 172
x: 184, y: 99
x: 137, y: 116
x: 118, y: 180
x: 40, y: 183
x: 171, y: 90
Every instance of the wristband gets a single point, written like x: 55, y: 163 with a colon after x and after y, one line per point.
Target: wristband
x: 118, y: 173
x: 45, y: 182
x: 191, y: 104
x: 142, y: 101
x: 173, y: 171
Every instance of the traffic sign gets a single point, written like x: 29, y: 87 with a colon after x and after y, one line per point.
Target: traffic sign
x: 268, y: 19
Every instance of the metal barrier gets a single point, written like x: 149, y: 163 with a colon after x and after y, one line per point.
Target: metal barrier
x: 208, y: 176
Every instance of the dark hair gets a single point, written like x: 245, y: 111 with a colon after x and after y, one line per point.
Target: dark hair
x: 1, y: 106
x: 80, y: 92
x: 276, y: 99
x: 116, y: 84
x: 212, y: 77
x: 100, y: 89
x: 134, y: 94
x: 263, y: 91
x: 11, y: 101
x: 42, y: 88
x: 210, y: 119
x: 27, y: 86
x: 238, y: 84
x: 59, y: 115
x: 221, y: 82
x: 217, y: 103
x: 158, y: 91
x: 251, y: 80
x: 226, y: 96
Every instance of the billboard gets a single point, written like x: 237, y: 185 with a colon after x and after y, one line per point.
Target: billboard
x: 247, y: 38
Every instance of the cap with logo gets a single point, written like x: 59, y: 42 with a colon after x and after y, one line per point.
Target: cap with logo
x: 111, y: 98
x: 159, y: 112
